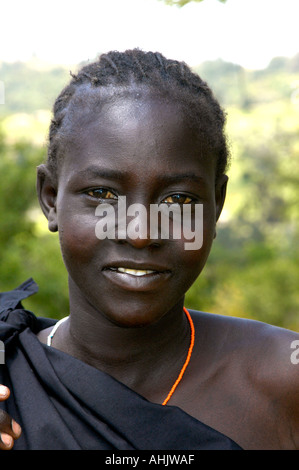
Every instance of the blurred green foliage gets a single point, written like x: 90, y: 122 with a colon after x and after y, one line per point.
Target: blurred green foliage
x: 253, y: 269
x: 27, y: 248
x: 181, y: 3
x: 30, y: 86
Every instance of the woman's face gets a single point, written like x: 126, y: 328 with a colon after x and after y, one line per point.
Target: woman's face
x: 143, y: 149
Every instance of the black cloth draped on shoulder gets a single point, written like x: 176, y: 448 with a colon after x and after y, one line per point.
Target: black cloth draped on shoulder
x: 64, y: 404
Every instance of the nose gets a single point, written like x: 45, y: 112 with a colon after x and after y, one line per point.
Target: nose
x: 135, y: 228
x: 140, y: 243
x: 136, y: 225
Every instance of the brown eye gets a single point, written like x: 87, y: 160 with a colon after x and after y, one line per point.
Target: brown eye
x: 178, y: 199
x: 101, y: 193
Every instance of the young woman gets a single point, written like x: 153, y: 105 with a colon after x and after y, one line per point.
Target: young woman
x: 130, y: 367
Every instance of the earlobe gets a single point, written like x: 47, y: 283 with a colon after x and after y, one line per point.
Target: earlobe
x: 47, y: 193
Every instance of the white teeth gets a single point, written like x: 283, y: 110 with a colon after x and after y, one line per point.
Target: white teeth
x: 135, y: 272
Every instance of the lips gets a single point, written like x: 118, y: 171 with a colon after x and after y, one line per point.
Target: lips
x: 133, y: 267
x: 136, y: 277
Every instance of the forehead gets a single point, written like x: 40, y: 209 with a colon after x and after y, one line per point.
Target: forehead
x: 121, y: 109
x: 132, y: 129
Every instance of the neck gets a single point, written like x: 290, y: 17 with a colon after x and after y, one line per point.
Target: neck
x: 147, y: 359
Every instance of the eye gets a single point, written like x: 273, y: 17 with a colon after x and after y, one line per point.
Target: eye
x: 177, y: 199
x: 101, y: 193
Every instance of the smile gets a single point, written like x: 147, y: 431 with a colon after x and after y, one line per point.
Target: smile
x: 133, y: 272
x: 137, y: 278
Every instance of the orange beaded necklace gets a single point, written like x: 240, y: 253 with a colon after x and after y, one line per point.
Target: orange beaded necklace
x: 49, y: 343
x: 176, y: 383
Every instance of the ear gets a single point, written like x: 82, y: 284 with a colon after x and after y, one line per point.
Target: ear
x: 220, y: 195
x: 47, y: 194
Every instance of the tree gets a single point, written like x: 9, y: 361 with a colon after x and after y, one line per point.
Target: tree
x: 181, y: 3
x: 27, y: 248
x: 252, y: 271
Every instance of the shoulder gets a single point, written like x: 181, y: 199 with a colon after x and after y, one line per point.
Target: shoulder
x: 249, y: 335
x: 264, y: 347
x: 265, y: 356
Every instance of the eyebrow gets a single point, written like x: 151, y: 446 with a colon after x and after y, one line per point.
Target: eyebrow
x: 181, y: 177
x: 108, y: 173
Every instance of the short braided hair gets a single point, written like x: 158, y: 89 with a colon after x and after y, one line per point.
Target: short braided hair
x: 118, y: 70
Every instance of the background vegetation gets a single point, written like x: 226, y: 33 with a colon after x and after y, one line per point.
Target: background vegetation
x: 253, y: 270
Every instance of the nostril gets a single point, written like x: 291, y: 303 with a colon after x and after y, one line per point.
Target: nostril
x: 139, y: 242
x: 121, y: 241
x: 155, y: 244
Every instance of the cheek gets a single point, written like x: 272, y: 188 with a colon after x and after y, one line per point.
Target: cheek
x: 192, y: 261
x: 77, y: 239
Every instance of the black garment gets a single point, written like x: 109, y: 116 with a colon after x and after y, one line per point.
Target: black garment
x: 63, y: 403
